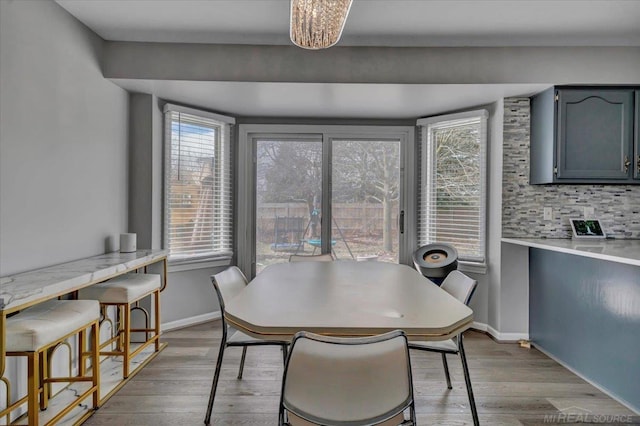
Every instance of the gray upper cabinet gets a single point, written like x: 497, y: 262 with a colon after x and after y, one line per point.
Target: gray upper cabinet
x: 584, y: 135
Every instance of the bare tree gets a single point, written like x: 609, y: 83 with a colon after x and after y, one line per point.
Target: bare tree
x: 368, y: 171
x: 294, y: 172
x: 457, y: 171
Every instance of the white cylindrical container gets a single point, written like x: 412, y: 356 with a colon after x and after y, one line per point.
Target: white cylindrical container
x: 127, y: 243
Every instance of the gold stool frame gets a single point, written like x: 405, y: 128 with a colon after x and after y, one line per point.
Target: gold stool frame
x: 123, y: 330
x: 38, y: 380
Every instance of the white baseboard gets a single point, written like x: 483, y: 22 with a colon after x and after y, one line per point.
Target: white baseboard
x: 187, y: 322
x: 500, y: 337
x: 604, y: 390
x: 480, y: 326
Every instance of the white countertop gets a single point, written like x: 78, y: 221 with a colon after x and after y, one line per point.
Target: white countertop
x: 27, y: 288
x: 621, y: 251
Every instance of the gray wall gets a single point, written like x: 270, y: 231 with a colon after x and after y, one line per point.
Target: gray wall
x: 522, y: 204
x: 586, y: 314
x: 63, y: 147
x: 494, y: 203
x: 189, y: 296
x: 63, y: 140
x: 145, y: 170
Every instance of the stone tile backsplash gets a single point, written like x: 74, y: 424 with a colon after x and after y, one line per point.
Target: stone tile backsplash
x: 617, y: 206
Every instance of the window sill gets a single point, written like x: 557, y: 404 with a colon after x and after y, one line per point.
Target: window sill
x: 189, y: 265
x: 474, y: 268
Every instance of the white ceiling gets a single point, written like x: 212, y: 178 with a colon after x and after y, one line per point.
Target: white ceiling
x: 370, y: 22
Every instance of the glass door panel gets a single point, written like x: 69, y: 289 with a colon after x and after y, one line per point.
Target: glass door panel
x: 365, y: 176
x: 288, y: 198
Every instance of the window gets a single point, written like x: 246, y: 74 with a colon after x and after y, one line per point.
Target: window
x: 198, y: 222
x: 453, y: 183
x: 324, y: 188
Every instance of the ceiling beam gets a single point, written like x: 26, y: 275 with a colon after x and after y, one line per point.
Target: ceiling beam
x: 393, y: 65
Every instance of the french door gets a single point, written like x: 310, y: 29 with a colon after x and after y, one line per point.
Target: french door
x: 365, y: 199
x: 339, y: 192
x: 288, y: 202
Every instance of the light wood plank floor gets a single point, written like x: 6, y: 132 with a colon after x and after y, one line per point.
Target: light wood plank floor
x: 513, y: 386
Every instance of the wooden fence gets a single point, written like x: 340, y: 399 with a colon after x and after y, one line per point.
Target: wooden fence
x: 363, y: 220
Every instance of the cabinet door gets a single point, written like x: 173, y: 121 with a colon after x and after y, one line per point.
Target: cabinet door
x: 594, y: 134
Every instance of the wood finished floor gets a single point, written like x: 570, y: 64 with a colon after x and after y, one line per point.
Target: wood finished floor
x: 512, y: 385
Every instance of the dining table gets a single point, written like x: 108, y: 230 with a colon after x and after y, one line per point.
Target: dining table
x: 349, y: 299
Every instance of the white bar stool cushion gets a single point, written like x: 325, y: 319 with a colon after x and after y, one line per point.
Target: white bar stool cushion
x: 126, y: 288
x: 43, y: 324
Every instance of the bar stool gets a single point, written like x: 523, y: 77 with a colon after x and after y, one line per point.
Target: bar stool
x: 124, y: 292
x: 35, y: 332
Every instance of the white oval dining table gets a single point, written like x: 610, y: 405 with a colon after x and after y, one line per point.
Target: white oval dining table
x: 346, y: 298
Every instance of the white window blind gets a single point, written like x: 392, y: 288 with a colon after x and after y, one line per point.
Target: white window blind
x: 198, y: 199
x: 453, y: 179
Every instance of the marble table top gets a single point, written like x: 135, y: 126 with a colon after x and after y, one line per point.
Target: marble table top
x: 28, y: 288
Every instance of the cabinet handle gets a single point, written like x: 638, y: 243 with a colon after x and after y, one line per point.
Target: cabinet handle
x: 627, y: 163
x: 639, y: 164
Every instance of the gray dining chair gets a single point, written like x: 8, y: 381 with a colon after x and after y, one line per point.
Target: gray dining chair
x: 338, y: 381
x: 227, y: 284
x: 327, y: 257
x: 462, y: 288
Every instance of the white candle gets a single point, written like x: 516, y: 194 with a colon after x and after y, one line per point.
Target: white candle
x: 127, y: 243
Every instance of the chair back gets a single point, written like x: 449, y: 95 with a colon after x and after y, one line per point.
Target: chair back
x: 459, y: 286
x: 347, y: 381
x: 228, y: 284
x: 327, y: 257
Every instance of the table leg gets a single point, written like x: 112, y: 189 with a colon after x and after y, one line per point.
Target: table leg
x: 216, y: 375
x: 467, y: 381
x: 164, y: 274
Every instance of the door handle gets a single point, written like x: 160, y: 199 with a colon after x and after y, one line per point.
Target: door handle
x: 638, y: 164
x: 401, y: 221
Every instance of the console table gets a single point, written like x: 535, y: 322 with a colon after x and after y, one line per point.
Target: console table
x: 20, y: 291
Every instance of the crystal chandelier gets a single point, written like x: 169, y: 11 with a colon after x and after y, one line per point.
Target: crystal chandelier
x: 318, y: 24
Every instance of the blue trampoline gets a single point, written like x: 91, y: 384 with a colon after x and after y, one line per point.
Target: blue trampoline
x: 317, y: 242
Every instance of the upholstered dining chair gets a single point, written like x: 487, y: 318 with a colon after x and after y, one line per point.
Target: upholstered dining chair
x: 462, y: 288
x: 347, y: 381
x: 228, y: 284
x: 327, y: 257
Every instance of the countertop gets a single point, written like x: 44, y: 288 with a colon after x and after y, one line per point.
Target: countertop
x: 621, y: 251
x: 27, y: 288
